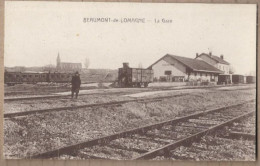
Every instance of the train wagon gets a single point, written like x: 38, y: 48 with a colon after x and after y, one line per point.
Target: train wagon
x: 33, y: 77
x: 238, y: 79
x: 59, y: 77
x: 12, y: 78
x: 134, y: 77
x: 250, y: 79
x: 224, y: 79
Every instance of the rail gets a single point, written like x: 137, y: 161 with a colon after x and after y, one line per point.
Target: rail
x: 106, y: 139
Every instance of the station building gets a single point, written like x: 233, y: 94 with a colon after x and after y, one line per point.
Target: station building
x: 172, y: 68
x: 215, y: 61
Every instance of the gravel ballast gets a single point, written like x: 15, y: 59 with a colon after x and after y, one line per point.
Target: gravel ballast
x: 32, y: 134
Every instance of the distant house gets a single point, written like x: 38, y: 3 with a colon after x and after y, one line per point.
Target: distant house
x: 67, y: 66
x: 174, y: 68
x: 215, y: 61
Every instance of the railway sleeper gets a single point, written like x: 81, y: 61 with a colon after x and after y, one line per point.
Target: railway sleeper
x: 242, y: 130
x: 239, y: 135
x: 165, y: 136
x: 223, y: 115
x: 220, y: 115
x: 205, y: 121
x: 152, y: 139
x: 195, y: 125
x: 169, y: 134
x: 150, y: 100
x: 96, y: 155
x: 85, y: 155
x: 118, y: 146
x: 178, y: 157
x: 188, y: 129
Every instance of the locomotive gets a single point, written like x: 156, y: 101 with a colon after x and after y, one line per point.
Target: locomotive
x: 12, y: 78
x: 134, y: 77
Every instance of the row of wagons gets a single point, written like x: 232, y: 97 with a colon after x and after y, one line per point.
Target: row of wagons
x: 236, y: 79
x: 12, y: 78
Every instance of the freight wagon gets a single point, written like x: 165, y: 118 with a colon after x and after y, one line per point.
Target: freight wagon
x: 250, y: 79
x: 134, y: 77
x: 12, y: 78
x: 238, y: 79
x: 224, y: 79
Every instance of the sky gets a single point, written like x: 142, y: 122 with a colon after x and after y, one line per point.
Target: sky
x: 35, y: 32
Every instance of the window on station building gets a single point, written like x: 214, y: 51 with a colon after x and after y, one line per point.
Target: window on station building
x: 195, y: 73
x: 167, y: 72
x: 200, y: 74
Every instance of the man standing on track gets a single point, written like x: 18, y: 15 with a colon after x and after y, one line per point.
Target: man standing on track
x: 75, y: 85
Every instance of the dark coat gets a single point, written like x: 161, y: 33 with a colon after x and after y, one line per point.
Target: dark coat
x: 76, y: 82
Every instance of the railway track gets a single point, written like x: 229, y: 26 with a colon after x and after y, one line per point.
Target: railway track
x: 145, y: 100
x: 238, y: 137
x: 153, y: 89
x: 38, y: 111
x: 245, y: 129
x: 51, y: 96
x: 154, y: 140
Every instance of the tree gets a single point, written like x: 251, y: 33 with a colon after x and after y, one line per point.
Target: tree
x: 86, y: 63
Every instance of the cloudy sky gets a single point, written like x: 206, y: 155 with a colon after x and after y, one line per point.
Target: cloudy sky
x: 36, y: 31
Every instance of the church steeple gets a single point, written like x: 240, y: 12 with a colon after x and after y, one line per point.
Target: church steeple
x: 58, y: 61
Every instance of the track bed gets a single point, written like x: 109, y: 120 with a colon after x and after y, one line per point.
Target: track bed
x: 48, y: 131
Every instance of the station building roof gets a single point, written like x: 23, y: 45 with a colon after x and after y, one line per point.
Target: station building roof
x: 215, y: 58
x: 193, y: 64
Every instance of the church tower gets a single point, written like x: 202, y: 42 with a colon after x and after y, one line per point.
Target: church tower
x: 58, y: 61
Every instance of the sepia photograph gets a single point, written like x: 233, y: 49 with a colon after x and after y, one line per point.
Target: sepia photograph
x: 130, y: 81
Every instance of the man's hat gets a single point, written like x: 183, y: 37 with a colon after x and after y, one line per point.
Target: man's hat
x: 77, y: 72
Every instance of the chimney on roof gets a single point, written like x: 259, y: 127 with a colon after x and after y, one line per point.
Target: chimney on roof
x: 125, y: 65
x: 222, y: 56
x: 197, y: 55
x: 210, y: 54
